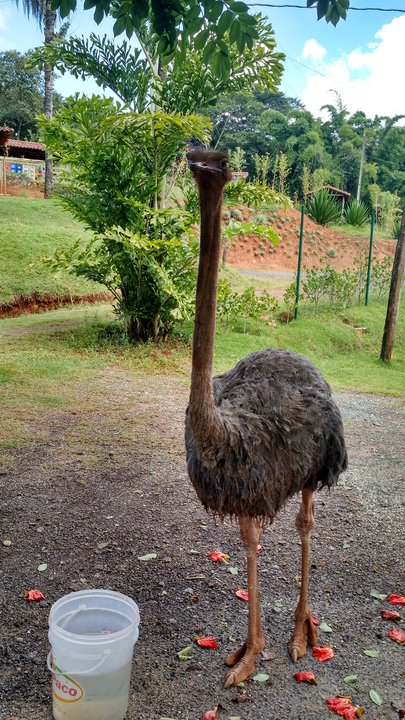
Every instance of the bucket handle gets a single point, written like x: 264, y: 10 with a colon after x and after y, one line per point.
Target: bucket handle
x: 75, y: 672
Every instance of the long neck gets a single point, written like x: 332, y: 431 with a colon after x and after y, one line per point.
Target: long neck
x: 204, y: 417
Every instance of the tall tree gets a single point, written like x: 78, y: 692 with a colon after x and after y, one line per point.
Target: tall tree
x: 178, y: 22
x: 42, y: 12
x: 21, y: 94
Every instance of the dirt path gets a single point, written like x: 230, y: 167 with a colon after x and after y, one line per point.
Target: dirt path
x: 94, y: 489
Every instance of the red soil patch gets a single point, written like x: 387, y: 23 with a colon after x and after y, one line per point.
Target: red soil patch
x: 30, y: 190
x: 256, y: 253
x: 38, y: 302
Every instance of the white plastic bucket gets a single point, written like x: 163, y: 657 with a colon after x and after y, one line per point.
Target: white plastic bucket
x: 92, y: 634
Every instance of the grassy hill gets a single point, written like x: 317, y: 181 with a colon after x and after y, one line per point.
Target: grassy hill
x: 31, y: 228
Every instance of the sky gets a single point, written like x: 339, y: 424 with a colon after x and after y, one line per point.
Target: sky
x: 361, y: 60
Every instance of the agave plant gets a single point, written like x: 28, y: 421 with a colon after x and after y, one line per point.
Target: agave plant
x: 356, y: 213
x: 322, y: 208
x: 396, y: 229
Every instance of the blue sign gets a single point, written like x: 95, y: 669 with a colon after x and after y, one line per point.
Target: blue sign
x: 16, y: 168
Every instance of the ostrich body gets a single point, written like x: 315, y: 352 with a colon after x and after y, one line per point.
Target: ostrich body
x: 258, y: 434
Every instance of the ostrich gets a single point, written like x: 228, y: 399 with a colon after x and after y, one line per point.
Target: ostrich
x: 256, y: 435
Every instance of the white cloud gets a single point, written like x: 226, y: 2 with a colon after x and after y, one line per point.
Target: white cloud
x: 4, y: 44
x: 312, y: 49
x: 367, y: 80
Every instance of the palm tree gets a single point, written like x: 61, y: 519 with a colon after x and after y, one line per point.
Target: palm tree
x: 42, y: 12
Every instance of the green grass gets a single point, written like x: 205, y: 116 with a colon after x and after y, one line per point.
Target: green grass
x: 29, y: 229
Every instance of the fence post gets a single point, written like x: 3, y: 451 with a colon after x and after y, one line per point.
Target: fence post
x: 370, y: 257
x: 297, y: 284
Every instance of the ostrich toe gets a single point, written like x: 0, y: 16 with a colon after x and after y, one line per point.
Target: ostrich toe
x: 304, y: 632
x: 242, y: 663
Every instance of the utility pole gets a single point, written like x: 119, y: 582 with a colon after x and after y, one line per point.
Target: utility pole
x: 362, y: 158
x: 394, y: 296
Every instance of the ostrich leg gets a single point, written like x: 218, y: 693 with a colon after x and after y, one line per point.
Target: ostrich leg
x: 304, y: 627
x: 243, y: 659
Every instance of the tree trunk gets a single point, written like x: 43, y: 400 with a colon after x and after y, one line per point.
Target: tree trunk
x: 49, y: 31
x: 394, y: 296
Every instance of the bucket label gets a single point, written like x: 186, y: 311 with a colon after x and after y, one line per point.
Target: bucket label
x: 64, y: 688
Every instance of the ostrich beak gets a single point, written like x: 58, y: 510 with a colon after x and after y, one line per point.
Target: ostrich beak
x: 193, y: 165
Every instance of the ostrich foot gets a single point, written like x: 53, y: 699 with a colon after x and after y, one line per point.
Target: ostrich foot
x: 242, y: 663
x: 304, y: 631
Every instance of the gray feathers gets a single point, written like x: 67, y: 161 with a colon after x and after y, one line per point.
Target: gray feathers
x: 283, y: 433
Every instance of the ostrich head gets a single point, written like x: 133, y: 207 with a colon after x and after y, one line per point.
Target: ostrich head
x: 209, y: 168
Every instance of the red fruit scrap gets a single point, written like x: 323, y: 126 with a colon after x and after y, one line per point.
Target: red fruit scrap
x: 242, y: 595
x: 397, y: 635
x: 207, y: 642
x: 396, y: 599
x: 211, y: 714
x: 315, y: 620
x: 343, y: 706
x: 33, y: 595
x: 322, y: 653
x: 258, y: 548
x: 391, y: 615
x: 217, y: 556
x: 305, y: 677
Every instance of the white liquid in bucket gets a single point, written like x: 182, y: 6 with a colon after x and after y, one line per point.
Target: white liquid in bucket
x: 105, y: 696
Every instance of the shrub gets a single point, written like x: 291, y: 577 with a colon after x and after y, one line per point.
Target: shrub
x: 322, y: 208
x: 356, y: 214
x: 331, y: 252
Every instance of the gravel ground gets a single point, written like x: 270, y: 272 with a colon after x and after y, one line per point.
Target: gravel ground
x: 93, y: 490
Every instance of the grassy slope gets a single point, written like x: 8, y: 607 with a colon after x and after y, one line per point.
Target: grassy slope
x: 31, y: 228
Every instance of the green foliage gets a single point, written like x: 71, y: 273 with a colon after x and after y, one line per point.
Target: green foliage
x: 330, y: 150
x: 21, y: 94
x: 331, y: 10
x: 322, y: 208
x: 386, y: 206
x: 396, y: 229
x: 262, y: 166
x: 346, y: 287
x: 237, y: 159
x: 356, y: 214
x: 179, y: 25
x: 246, y: 306
x: 115, y: 165
x: 121, y: 68
x: 184, y: 86
x: 254, y: 194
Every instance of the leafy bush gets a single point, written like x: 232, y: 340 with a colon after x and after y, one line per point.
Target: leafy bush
x: 381, y: 276
x: 115, y: 165
x: 346, y: 287
x: 233, y: 306
x: 356, y: 214
x: 322, y: 208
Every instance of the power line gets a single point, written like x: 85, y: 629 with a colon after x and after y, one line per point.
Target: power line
x: 304, y: 7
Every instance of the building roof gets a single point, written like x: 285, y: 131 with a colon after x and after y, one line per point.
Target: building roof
x: 25, y: 145
x: 336, y: 190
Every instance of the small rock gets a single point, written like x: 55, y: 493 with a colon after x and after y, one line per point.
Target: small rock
x: 7, y: 542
